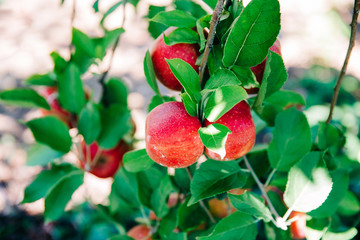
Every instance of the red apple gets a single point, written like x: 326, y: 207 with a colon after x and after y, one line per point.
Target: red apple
x: 298, y: 227
x: 51, y: 96
x: 171, y: 136
x: 140, y: 232
x: 242, y: 137
x: 107, y: 161
x: 187, y: 52
x: 259, y: 69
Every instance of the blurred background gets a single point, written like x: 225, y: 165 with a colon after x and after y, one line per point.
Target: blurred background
x: 314, y: 39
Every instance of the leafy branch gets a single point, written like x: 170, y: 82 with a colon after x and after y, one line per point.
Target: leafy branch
x: 353, y: 26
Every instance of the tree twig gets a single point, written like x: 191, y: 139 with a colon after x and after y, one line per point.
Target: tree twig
x: 353, y: 26
x: 202, y: 205
x: 72, y: 18
x: 215, y: 18
x: 279, y: 221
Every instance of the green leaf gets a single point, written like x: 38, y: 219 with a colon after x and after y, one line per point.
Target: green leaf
x: 214, y: 138
x: 148, y: 180
x: 71, y: 91
x: 45, y: 181
x: 59, y: 62
x: 150, y: 74
x: 83, y: 42
x: 137, y: 161
x: 222, y: 100
x: 47, y: 79
x: 252, y: 33
x: 60, y: 195
x: 89, y: 123
x: 202, y: 23
x: 125, y: 187
x: 309, y: 184
x: 115, y: 92
x: 214, y: 177
x: 190, y: 106
x: 328, y: 135
x: 111, y: 10
x: 240, y: 226
x: 111, y: 37
x: 51, y: 131
x: 23, y: 97
x: 121, y: 237
x: 252, y: 204
x: 210, y: 3
x: 160, y: 196
x: 245, y: 76
x: 155, y: 29
x: 214, y: 61
x: 181, y: 35
x: 191, y: 7
x: 157, y: 100
x: 115, y: 123
x: 40, y: 154
x: 95, y: 6
x: 221, y: 77
x: 187, y: 76
x: 279, y: 102
x: 175, y: 18
x: 349, y: 205
x: 345, y: 235
x: 316, y: 228
x: 291, y: 131
x: 189, y: 218
x: 340, y: 178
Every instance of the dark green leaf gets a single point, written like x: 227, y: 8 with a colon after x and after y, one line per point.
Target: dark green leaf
x: 214, y: 61
x: 252, y: 33
x: 201, y: 24
x: 89, y: 123
x: 221, y: 77
x: 148, y: 180
x: 328, y: 135
x: 150, y: 74
x: 190, y: 106
x: 175, y: 18
x: 291, y: 131
x: 214, y: 138
x: 137, y: 161
x: 45, y: 181
x: 23, y: 97
x: 155, y: 29
x: 96, y: 6
x: 309, y: 184
x: 214, y: 177
x: 40, y: 154
x: 121, y: 237
x: 59, y: 62
x: 190, y: 7
x: 343, y: 235
x: 52, y: 132
x: 187, y: 76
x: 71, y: 91
x: 115, y: 92
x: 125, y: 187
x: 210, y: 3
x: 60, y: 195
x: 245, y: 76
x: 115, y: 123
x: 315, y: 228
x: 181, y: 35
x: 191, y: 217
x: 222, y: 100
x: 240, y: 226
x: 47, y: 79
x: 252, y: 204
x: 349, y: 205
x: 157, y: 100
x: 160, y: 196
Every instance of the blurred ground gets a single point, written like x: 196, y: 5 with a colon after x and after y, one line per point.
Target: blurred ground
x: 312, y: 32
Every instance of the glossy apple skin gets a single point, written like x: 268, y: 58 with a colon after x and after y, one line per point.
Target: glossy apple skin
x: 51, y: 96
x: 187, y: 52
x: 140, y: 232
x: 171, y: 136
x: 259, y: 69
x: 298, y: 227
x: 242, y: 137
x: 109, y: 160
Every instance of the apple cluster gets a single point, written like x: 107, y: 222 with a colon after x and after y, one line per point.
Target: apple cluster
x: 171, y: 134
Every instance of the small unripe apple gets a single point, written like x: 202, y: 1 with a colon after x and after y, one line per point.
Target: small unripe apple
x: 298, y: 227
x: 242, y: 136
x: 103, y: 164
x: 51, y: 95
x: 219, y: 208
x: 140, y: 232
x: 187, y: 52
x: 259, y: 69
x: 171, y: 136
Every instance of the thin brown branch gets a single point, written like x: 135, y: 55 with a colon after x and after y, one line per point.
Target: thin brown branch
x: 202, y: 205
x: 215, y: 18
x: 353, y: 27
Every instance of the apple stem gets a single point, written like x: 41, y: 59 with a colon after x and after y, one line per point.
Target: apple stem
x: 353, y: 26
x: 96, y: 157
x: 279, y: 221
x: 215, y: 18
x: 201, y: 202
x: 271, y: 175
